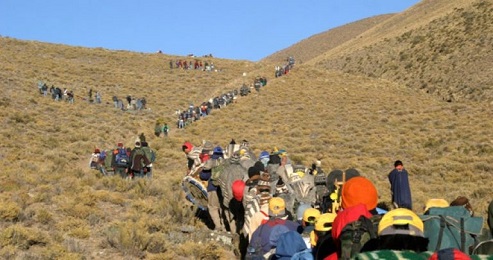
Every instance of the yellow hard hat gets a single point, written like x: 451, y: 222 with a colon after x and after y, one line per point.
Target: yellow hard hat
x: 436, y: 203
x: 311, y: 215
x: 401, y: 221
x: 324, y: 222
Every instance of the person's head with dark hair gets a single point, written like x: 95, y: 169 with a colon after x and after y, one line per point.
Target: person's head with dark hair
x: 274, y: 159
x: 398, y: 163
x: 187, y: 147
x: 463, y: 201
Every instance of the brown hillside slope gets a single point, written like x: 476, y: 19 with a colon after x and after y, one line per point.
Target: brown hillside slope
x: 446, y: 53
x: 318, y: 44
x: 53, y: 207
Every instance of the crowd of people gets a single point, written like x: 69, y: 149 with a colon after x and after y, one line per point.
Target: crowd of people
x: 56, y: 93
x: 126, y: 162
x: 196, y: 112
x: 280, y: 209
x: 285, y: 68
x: 133, y: 103
x: 96, y: 97
x: 192, y: 65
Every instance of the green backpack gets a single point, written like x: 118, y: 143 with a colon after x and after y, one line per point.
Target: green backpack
x: 216, y: 171
x: 451, y: 227
x: 355, y: 235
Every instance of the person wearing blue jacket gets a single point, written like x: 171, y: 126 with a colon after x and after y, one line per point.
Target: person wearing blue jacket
x: 399, y: 186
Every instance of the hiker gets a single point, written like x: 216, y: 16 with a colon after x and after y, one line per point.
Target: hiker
x: 90, y: 95
x: 94, y: 162
x: 138, y: 161
x: 264, y: 158
x: 260, y: 240
x: 158, y: 129
x: 236, y: 208
x: 165, y: 130
x: 70, y: 96
x: 225, y: 175
x: 121, y: 160
x: 321, y: 238
x: 98, y: 97
x: 40, y: 86
x: 401, y: 229
x: 359, y: 201
x: 142, y: 137
x: 212, y: 160
x: 115, y: 101
x: 400, y: 234
x: 399, y: 186
x: 193, y: 156
x: 151, y: 155
x: 129, y: 100
x: 44, y: 88
x: 320, y: 183
x: 256, y: 196
x: 309, y: 218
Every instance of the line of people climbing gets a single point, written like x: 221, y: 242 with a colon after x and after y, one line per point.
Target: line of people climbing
x: 285, y: 68
x: 281, y: 209
x: 194, y: 113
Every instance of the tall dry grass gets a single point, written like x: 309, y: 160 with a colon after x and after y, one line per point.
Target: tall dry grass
x: 53, y: 206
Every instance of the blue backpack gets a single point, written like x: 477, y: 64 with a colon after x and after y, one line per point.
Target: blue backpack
x: 121, y: 158
x: 102, y: 156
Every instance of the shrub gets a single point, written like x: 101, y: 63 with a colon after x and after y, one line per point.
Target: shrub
x: 9, y: 211
x: 22, y: 237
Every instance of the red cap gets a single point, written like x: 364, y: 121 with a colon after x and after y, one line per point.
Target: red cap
x: 238, y: 187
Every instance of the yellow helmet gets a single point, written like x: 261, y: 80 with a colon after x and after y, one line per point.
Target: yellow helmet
x: 311, y: 215
x: 438, y: 203
x: 324, y: 222
x: 401, y: 221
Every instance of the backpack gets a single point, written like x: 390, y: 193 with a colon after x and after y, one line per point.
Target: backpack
x: 355, y: 234
x: 95, y: 157
x: 102, y: 156
x: 216, y: 172
x: 121, y: 158
x: 94, y: 160
x: 451, y: 227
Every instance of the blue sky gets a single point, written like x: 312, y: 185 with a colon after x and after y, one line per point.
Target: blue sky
x: 231, y: 29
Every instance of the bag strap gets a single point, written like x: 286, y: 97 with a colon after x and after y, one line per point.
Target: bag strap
x: 440, y: 234
x: 462, y: 236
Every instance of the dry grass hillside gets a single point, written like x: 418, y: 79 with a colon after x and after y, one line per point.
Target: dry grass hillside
x: 52, y: 206
x: 318, y: 44
x: 447, y: 52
